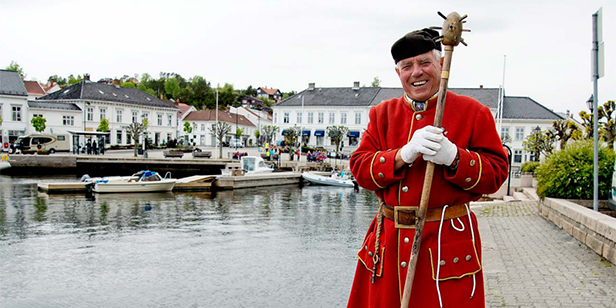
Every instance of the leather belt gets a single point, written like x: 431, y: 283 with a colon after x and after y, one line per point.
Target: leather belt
x: 405, y: 217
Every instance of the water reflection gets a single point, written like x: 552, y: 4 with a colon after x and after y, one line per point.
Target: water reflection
x: 270, y: 247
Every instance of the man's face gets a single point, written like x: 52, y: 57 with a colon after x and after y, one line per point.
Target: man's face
x: 420, y: 75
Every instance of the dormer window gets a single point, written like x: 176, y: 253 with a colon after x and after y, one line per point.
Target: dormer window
x: 126, y: 96
x: 101, y: 92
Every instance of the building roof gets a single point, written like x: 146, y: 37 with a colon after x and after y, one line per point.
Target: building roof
x: 11, y: 84
x: 269, y: 91
x: 183, y: 108
x: 34, y: 88
x: 87, y: 90
x: 515, y: 107
x: 339, y: 97
x: 223, y: 116
x: 53, y: 106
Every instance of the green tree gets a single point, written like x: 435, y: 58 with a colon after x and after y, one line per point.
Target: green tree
x: 128, y: 84
x: 538, y: 143
x: 291, y: 135
x: 134, y: 131
x: 258, y: 137
x: 267, y: 101
x: 376, y: 82
x: 39, y: 123
x: 565, y: 130
x: 73, y: 80
x: 16, y: 68
x: 238, y: 133
x: 337, y: 133
x: 103, y: 126
x: 219, y: 130
x: 172, y: 88
x: 61, y: 81
x: 608, y: 126
x: 269, y: 132
x: 286, y: 95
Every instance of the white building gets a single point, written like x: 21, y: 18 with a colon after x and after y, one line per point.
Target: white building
x: 314, y: 109
x: 202, y: 121
x: 13, y: 107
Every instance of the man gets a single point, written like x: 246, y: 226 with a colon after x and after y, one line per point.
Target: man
x: 391, y: 160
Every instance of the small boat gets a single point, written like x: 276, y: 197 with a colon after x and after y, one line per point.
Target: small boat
x: 334, y: 179
x: 255, y: 165
x: 4, y: 163
x: 142, y: 181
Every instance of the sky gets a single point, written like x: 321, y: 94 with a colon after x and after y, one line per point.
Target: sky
x: 539, y: 49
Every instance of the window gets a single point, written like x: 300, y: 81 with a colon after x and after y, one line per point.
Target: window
x: 332, y: 117
x: 343, y: 117
x: 504, y: 133
x: 202, y: 127
x: 90, y: 113
x: 531, y: 156
x: 145, y: 116
x: 299, y: 118
x: 135, y: 113
x: 118, y: 137
x: 275, y: 117
x: 103, y: 113
x: 358, y: 118
x: 119, y: 116
x: 286, y: 117
x: 160, y: 119
x: 37, y: 115
x: 68, y: 120
x: 517, y: 157
x: 320, y: 118
x: 16, y: 113
x: 519, y: 133
x: 169, y: 121
x: 310, y: 117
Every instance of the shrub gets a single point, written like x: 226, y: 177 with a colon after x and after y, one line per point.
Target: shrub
x: 568, y: 173
x: 530, y: 166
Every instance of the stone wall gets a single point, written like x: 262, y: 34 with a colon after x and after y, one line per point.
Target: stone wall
x: 596, y: 230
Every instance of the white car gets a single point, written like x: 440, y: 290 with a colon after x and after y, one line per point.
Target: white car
x: 236, y: 144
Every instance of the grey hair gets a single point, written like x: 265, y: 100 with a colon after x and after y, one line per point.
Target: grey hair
x: 437, y: 56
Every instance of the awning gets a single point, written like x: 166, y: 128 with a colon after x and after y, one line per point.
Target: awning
x: 319, y: 133
x: 306, y: 133
x: 284, y: 132
x: 353, y: 134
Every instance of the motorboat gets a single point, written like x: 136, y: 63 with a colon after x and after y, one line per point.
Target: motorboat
x: 142, y: 181
x: 255, y: 165
x: 335, y: 179
x: 4, y: 163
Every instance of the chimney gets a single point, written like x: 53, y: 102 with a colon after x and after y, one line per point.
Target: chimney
x: 356, y: 85
x: 480, y: 86
x: 568, y: 113
x: 86, y: 77
x: 311, y: 86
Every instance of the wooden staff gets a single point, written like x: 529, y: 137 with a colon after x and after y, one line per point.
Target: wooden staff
x: 451, y: 37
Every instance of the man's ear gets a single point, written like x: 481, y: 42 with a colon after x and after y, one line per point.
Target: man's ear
x: 398, y: 71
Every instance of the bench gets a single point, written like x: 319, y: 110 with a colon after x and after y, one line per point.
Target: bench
x: 205, y: 154
x: 172, y: 154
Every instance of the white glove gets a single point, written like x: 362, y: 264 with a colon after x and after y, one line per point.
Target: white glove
x: 445, y: 155
x: 425, y: 141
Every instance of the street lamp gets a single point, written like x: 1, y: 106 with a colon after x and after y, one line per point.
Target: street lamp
x: 590, y: 103
x: 537, y: 132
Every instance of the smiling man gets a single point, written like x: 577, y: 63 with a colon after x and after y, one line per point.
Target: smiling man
x: 391, y: 161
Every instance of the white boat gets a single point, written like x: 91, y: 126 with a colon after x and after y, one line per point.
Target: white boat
x: 142, y: 181
x: 4, y: 163
x: 333, y: 180
x: 255, y: 165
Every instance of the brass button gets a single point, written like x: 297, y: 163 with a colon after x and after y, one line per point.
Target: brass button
x: 455, y: 260
x: 381, y: 175
x: 443, y: 262
x: 472, y: 162
x: 465, y: 180
x: 406, y: 240
x: 468, y: 257
x: 403, y: 264
x: 405, y: 189
x: 382, y: 160
x: 418, y: 117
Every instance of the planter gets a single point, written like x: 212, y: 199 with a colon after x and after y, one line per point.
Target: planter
x: 527, y: 179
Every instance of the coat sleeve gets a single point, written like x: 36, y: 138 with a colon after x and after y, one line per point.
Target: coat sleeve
x: 483, y: 166
x: 372, y: 164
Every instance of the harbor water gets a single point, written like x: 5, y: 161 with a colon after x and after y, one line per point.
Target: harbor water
x: 269, y: 247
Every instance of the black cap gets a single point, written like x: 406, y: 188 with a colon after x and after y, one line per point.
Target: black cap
x: 415, y: 43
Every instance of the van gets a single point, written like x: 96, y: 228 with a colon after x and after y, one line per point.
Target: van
x: 50, y: 142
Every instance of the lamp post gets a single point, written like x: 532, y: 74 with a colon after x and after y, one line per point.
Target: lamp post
x: 537, y: 134
x: 591, y: 103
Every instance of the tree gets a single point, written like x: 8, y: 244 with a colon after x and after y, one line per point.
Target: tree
x: 134, y: 131
x: 258, y: 137
x: 219, y: 130
x: 291, y: 135
x: 172, y: 88
x: 103, y: 126
x: 39, y: 124
x: 72, y: 80
x: 376, y: 82
x: 269, y: 132
x: 608, y: 127
x: 61, y: 81
x: 128, y: 84
x: 188, y: 130
x: 337, y: 133
x: 539, y: 142
x: 238, y: 133
x: 0, y: 119
x: 565, y: 130
x: 16, y: 68
x: 286, y: 95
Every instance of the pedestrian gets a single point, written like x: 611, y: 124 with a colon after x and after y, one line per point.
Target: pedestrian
x: 94, y: 148
x: 89, y: 147
x: 391, y: 160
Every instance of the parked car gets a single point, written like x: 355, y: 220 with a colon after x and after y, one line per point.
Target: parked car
x: 236, y: 144
x: 50, y: 142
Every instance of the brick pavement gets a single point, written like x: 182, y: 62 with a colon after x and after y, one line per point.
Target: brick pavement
x: 529, y: 262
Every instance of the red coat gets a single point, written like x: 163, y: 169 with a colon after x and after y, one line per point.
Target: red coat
x: 482, y: 169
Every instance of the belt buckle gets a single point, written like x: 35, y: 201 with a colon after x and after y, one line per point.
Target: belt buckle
x: 405, y: 208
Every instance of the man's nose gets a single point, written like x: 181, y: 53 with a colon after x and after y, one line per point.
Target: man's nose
x: 417, y: 71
